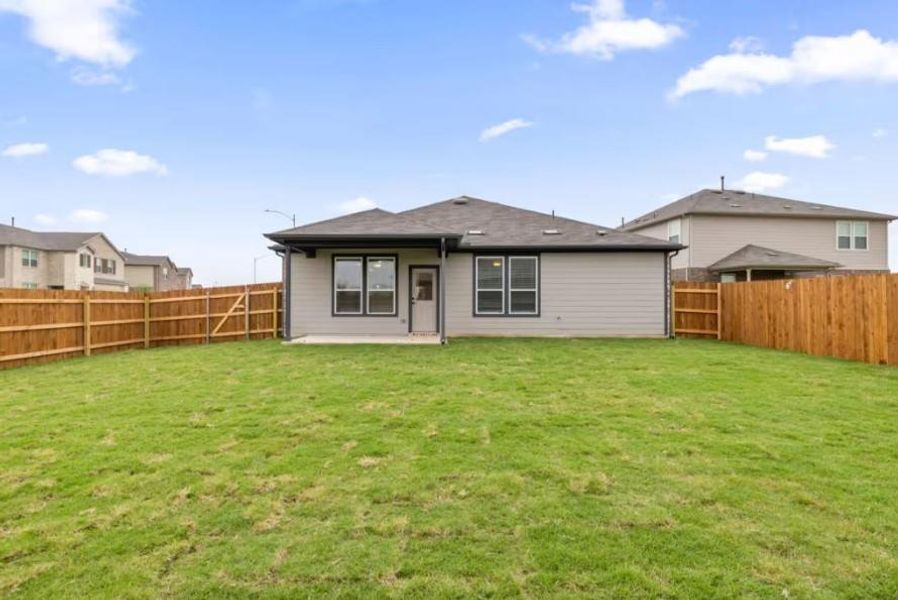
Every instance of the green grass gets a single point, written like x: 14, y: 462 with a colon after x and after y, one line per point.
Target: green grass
x: 490, y: 468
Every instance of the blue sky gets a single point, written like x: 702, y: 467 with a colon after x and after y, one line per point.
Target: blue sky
x: 211, y: 112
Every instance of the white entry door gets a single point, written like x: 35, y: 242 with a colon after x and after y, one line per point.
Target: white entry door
x: 424, y: 299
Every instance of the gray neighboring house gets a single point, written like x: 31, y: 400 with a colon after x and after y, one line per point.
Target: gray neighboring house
x: 467, y: 266
x: 733, y: 235
x: 153, y: 273
x: 59, y: 260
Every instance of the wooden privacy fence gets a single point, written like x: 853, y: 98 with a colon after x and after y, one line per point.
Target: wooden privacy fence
x: 852, y: 317
x: 44, y: 325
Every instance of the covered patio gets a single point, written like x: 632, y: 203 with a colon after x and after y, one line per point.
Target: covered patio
x: 755, y: 263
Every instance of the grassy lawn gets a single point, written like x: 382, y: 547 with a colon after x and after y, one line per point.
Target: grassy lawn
x: 501, y: 468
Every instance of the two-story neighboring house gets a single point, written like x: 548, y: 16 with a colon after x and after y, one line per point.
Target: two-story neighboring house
x: 155, y: 273
x: 737, y: 236
x: 59, y: 260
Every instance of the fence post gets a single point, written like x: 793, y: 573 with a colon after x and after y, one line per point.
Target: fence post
x: 146, y: 320
x: 246, y: 309
x: 208, y: 316
x: 274, y: 313
x: 85, y: 313
x: 719, y: 312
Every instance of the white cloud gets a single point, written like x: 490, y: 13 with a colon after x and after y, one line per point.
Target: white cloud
x: 86, y: 30
x: 45, y: 219
x: 754, y: 155
x: 746, y: 43
x: 88, y: 215
x: 357, y: 205
x: 491, y: 133
x: 608, y: 32
x: 815, y: 146
x: 118, y: 163
x: 90, y: 77
x: 855, y: 57
x: 759, y: 181
x: 879, y: 132
x: 25, y: 149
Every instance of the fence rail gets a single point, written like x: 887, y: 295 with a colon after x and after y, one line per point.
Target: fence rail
x: 45, y: 325
x: 851, y: 317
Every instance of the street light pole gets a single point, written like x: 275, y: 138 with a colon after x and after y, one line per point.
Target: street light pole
x: 256, y: 260
x: 282, y: 213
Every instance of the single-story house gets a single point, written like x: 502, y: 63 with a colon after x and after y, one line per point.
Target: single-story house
x: 467, y: 266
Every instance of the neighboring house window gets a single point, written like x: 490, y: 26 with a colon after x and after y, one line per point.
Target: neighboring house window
x: 84, y: 260
x: 165, y: 271
x: 365, y: 285
x: 506, y: 285
x: 29, y: 286
x: 673, y: 231
x: 104, y: 265
x: 29, y: 258
x: 852, y: 235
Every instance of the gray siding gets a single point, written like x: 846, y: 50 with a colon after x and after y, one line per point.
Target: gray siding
x: 659, y: 231
x: 715, y: 237
x: 582, y: 294
x: 310, y: 295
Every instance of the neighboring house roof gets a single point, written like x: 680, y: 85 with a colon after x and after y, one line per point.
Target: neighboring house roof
x: 106, y: 281
x: 51, y: 241
x: 59, y: 241
x: 758, y: 257
x: 184, y: 271
x: 145, y: 260
x: 747, y: 204
x: 472, y: 223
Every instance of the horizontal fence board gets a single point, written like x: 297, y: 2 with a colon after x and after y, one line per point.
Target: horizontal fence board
x: 853, y: 317
x: 44, y: 325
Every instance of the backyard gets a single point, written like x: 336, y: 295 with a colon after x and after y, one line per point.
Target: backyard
x: 489, y: 468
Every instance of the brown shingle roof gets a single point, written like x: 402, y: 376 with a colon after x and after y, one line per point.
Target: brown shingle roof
x: 758, y: 257
x: 738, y: 203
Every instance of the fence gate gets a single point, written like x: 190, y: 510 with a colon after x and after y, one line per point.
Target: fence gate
x: 696, y: 309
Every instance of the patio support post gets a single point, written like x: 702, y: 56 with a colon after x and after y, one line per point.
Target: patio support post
x: 443, y: 290
x: 285, y: 319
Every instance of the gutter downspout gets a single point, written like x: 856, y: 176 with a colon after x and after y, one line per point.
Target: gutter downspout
x: 442, y: 290
x: 668, y: 294
x: 288, y: 264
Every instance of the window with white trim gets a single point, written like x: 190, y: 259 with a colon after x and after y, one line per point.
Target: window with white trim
x: 489, y: 281
x: 673, y: 231
x: 365, y: 285
x: 852, y: 235
x: 523, y: 285
x: 29, y: 258
x: 84, y: 260
x: 506, y: 285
